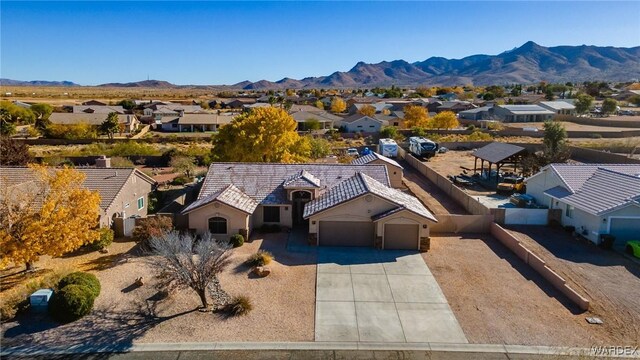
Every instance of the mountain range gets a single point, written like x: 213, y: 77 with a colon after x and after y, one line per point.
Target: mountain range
x: 9, y: 82
x: 529, y: 63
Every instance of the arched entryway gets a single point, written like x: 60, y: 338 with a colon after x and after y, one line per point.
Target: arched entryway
x: 299, y: 198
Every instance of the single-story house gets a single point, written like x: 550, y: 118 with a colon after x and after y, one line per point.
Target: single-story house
x: 559, y: 107
x: 98, y: 109
x: 124, y: 192
x: 596, y: 199
x: 340, y: 205
x: 393, y: 168
x: 454, y: 106
x: 522, y: 113
x: 362, y: 123
x: 193, y: 122
x: 325, y: 119
x: 480, y: 113
x: 129, y: 121
x: 168, y: 108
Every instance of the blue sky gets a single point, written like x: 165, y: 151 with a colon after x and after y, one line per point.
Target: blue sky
x: 227, y: 42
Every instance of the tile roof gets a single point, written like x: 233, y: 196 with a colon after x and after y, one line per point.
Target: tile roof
x: 229, y: 195
x: 558, y: 192
x: 356, y: 117
x: 605, y: 191
x: 319, y: 115
x: 373, y: 157
x: 98, y: 109
x: 361, y: 184
x: 575, y: 175
x: 302, y: 179
x: 264, y: 182
x: 107, y: 181
x: 497, y: 151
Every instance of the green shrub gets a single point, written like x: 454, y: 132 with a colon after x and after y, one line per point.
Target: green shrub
x: 71, y: 303
x: 239, y: 306
x: 471, y: 127
x: 87, y: 280
x: 180, y: 180
x: 105, y: 239
x: 236, y: 240
x: 261, y: 258
x: 16, y: 300
x: 595, y: 136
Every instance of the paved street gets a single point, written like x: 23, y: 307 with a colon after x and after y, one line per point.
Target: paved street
x: 370, y: 295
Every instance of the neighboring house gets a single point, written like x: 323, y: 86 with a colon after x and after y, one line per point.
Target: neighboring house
x: 522, y: 113
x: 129, y: 122
x: 237, y: 103
x: 596, y: 199
x: 193, y: 122
x: 559, y: 107
x: 169, y: 108
x: 481, y: 113
x: 124, y: 192
x: 340, y: 205
x: 454, y: 106
x: 325, y: 119
x: 393, y: 168
x: 362, y: 123
x: 98, y: 109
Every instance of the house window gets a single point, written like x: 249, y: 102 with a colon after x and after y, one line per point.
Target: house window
x: 359, y: 126
x: 371, y: 126
x: 141, y: 203
x: 218, y: 225
x: 569, y: 212
x: 271, y: 214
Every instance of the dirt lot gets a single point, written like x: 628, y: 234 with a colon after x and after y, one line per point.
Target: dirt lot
x: 283, y: 306
x: 610, y: 280
x: 499, y: 299
x: 431, y: 196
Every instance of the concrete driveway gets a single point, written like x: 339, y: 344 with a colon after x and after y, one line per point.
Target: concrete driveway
x: 380, y: 296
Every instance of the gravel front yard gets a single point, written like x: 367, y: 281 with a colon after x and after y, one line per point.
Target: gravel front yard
x: 499, y: 299
x: 283, y: 306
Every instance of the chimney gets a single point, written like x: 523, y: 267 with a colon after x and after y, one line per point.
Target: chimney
x: 103, y: 162
x: 180, y: 112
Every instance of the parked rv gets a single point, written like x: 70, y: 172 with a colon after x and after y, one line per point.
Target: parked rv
x: 388, y: 148
x: 422, y: 147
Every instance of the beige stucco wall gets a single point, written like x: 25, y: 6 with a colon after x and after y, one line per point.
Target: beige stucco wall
x: 236, y: 219
x: 285, y: 216
x: 365, y: 124
x: 357, y: 209
x: 395, y: 173
x: 127, y: 200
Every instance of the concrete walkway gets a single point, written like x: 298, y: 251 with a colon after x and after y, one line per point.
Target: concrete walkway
x: 368, y: 295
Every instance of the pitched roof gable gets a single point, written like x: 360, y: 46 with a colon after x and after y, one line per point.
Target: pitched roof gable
x: 373, y: 157
x: 361, y: 184
x: 606, y: 191
x: 229, y: 195
x: 264, y: 182
x: 302, y: 179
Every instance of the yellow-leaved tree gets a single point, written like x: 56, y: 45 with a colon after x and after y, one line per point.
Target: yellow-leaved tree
x: 51, y: 215
x: 265, y: 134
x: 338, y: 105
x: 445, y: 120
x: 368, y: 110
x: 415, y: 116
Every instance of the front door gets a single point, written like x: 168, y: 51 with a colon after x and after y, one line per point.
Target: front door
x: 299, y: 199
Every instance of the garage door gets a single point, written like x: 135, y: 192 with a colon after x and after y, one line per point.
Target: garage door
x: 401, y: 236
x: 624, y: 230
x: 346, y: 233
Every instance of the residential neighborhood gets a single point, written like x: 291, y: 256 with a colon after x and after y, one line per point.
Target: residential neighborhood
x: 479, y: 199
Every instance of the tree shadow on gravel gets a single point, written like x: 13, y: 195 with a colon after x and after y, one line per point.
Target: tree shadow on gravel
x: 108, y: 330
